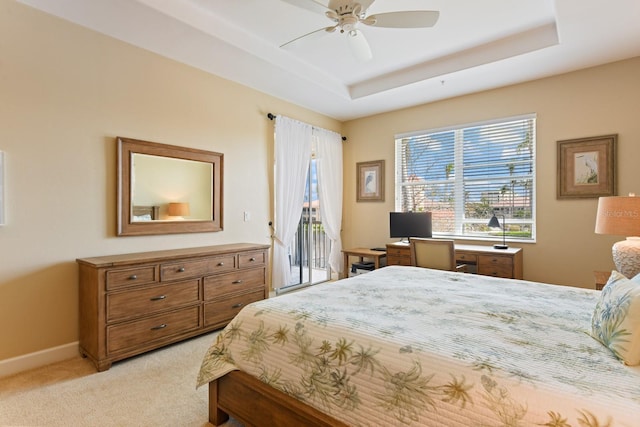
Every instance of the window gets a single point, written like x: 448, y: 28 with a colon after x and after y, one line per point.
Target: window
x: 465, y: 174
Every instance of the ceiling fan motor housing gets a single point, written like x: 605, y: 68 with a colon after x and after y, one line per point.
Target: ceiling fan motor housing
x: 346, y: 16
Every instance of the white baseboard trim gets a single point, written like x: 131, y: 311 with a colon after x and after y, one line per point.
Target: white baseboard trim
x: 38, y: 359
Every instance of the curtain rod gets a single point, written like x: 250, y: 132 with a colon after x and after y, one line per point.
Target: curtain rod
x: 271, y: 117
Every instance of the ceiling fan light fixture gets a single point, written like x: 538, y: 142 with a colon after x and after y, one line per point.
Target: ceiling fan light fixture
x: 359, y: 45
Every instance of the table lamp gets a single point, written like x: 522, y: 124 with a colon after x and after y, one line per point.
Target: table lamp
x: 494, y: 223
x: 619, y: 215
x: 178, y: 209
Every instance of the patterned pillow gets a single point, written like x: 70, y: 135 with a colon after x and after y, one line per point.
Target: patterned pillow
x: 616, y: 319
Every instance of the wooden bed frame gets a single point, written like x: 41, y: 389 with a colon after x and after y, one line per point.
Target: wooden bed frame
x: 154, y: 211
x: 254, y: 403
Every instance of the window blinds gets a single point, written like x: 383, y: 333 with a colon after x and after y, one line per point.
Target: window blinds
x: 463, y: 174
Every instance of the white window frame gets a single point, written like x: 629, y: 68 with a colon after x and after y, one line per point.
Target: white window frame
x: 458, y: 182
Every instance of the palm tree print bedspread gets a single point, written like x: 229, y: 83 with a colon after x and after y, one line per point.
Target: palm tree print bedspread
x: 419, y: 347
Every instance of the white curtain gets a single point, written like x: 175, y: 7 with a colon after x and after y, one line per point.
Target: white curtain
x: 329, y: 164
x: 292, y: 156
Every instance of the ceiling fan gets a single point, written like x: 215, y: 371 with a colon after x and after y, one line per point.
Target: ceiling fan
x: 347, y: 15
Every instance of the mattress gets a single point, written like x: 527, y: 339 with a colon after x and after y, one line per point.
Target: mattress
x: 420, y: 347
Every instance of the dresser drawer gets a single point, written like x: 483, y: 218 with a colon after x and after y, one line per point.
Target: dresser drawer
x: 398, y: 260
x: 230, y: 283
x: 155, y: 328
x: 152, y: 299
x: 201, y: 267
x: 131, y: 276
x: 466, y: 258
x: 497, y: 266
x: 252, y: 259
x: 398, y: 254
x: 395, y: 251
x: 222, y: 311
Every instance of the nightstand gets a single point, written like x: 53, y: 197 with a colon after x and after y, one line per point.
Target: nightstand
x: 601, y: 278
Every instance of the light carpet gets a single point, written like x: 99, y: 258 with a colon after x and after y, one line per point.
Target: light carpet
x: 154, y: 389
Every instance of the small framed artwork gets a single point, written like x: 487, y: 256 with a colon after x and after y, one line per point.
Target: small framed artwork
x: 370, y: 181
x: 587, y: 167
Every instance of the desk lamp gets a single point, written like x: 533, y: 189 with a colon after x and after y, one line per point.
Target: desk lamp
x: 494, y: 223
x: 619, y: 215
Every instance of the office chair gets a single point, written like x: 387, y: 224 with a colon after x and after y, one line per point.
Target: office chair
x: 434, y: 253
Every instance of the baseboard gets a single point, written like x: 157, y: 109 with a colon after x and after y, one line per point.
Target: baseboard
x: 38, y: 359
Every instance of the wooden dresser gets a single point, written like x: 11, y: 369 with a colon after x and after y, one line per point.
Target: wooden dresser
x: 480, y: 259
x: 133, y: 303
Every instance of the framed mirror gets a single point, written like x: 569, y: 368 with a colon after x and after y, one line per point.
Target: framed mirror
x: 164, y: 189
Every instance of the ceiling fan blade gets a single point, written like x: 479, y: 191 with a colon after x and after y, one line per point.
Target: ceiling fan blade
x: 316, y: 6
x: 359, y: 45
x: 312, y: 35
x: 404, y: 19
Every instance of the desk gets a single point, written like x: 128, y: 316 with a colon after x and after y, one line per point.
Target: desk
x: 486, y: 260
x: 361, y: 253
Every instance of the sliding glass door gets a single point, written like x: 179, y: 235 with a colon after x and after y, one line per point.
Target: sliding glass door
x: 309, y: 251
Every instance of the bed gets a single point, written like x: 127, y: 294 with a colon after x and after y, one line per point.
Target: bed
x: 420, y: 347
x: 145, y: 213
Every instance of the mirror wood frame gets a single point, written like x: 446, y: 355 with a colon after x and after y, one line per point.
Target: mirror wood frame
x: 127, y: 147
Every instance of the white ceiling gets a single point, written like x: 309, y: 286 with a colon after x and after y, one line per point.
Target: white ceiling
x: 474, y: 46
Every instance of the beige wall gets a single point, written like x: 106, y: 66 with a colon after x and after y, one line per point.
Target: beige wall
x: 65, y: 94
x: 597, y: 101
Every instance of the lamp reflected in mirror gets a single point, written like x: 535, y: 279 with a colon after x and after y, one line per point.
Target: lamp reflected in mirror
x: 178, y: 209
x: 495, y: 223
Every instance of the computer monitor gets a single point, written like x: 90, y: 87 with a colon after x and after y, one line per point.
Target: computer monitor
x: 409, y: 224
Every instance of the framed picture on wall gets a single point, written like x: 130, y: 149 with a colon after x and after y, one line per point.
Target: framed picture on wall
x: 587, y: 167
x: 370, y: 181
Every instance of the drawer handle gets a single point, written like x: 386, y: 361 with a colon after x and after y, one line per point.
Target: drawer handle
x: 157, y: 328
x: 133, y: 277
x: 220, y: 264
x: 252, y: 259
x: 181, y: 270
x: 237, y: 282
x: 238, y: 305
x: 158, y: 298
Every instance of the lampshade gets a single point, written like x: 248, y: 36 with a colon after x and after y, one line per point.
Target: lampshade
x: 620, y: 216
x: 178, y: 209
x: 494, y: 223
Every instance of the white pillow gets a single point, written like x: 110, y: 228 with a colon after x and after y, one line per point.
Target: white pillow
x: 616, y: 318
